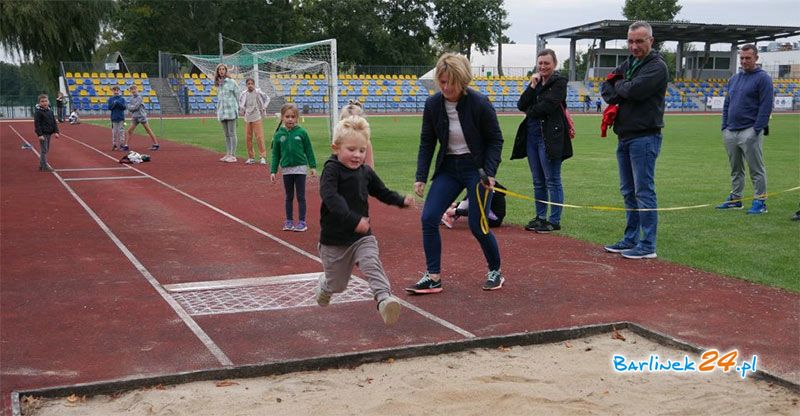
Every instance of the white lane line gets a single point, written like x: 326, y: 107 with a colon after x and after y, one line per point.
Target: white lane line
x: 193, y: 326
x: 245, y: 282
x: 284, y: 243
x: 106, y: 178
x: 86, y: 169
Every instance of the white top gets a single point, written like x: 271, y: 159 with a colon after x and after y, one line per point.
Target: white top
x: 456, y: 144
x: 252, y: 112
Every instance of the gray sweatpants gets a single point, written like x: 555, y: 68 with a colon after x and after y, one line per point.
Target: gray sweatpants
x: 44, y: 148
x: 117, y: 133
x: 229, y: 128
x: 338, y: 262
x: 746, y: 145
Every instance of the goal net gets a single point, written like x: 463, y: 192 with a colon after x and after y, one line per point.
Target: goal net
x: 304, y: 74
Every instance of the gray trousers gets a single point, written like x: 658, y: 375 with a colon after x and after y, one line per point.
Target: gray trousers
x: 746, y: 145
x: 44, y: 147
x: 117, y: 133
x: 338, y: 262
x: 229, y: 128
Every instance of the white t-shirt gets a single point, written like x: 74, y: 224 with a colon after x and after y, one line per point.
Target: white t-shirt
x: 456, y: 144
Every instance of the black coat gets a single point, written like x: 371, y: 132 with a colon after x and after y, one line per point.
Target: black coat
x: 479, y: 124
x: 545, y: 103
x: 44, y: 122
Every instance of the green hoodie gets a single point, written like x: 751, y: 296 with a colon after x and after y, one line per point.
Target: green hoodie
x: 291, y: 148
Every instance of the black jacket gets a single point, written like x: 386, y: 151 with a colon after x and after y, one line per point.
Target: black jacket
x: 345, y: 193
x: 479, y: 124
x: 640, y: 98
x: 44, y: 121
x: 545, y: 103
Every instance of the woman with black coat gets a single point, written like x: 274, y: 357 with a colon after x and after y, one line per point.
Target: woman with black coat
x: 543, y: 137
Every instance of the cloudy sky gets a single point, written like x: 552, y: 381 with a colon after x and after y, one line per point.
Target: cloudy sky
x: 528, y: 18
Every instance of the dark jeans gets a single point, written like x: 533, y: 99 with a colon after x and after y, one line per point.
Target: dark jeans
x: 44, y: 147
x: 292, y: 183
x: 454, y: 176
x: 636, y: 159
x: 62, y: 113
x: 546, y: 175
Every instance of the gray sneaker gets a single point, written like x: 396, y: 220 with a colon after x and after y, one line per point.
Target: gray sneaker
x: 389, y: 309
x: 494, y: 280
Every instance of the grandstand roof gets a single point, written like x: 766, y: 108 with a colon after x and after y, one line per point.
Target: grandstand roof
x: 677, y: 31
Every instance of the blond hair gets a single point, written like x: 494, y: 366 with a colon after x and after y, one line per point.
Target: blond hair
x: 457, y: 67
x: 353, y: 108
x: 290, y: 107
x: 351, y: 127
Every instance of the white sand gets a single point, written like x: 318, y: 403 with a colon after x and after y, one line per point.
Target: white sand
x: 569, y: 378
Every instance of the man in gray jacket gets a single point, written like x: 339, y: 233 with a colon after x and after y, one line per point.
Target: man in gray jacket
x: 638, y: 87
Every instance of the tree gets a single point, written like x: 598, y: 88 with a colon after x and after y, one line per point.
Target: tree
x: 651, y: 10
x: 49, y: 32
x: 460, y: 24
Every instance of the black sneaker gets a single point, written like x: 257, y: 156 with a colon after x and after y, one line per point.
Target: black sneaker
x: 547, y: 227
x: 796, y: 216
x: 494, y: 280
x: 532, y: 224
x: 425, y: 286
x: 155, y: 147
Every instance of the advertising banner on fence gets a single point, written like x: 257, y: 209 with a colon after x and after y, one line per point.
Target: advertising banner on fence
x: 783, y: 103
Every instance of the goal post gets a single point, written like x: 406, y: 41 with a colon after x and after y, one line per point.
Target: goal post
x: 305, y: 74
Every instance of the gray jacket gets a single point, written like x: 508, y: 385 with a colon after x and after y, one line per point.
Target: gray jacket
x: 136, y: 107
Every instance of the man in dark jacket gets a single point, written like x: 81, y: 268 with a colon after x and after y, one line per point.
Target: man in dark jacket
x: 45, y: 124
x: 638, y: 87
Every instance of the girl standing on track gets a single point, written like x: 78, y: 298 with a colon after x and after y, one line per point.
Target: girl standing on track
x: 291, y: 150
x: 227, y: 109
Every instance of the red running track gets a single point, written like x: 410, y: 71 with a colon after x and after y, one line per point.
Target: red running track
x: 92, y: 261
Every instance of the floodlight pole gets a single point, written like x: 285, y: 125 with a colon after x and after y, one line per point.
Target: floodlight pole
x: 220, y: 47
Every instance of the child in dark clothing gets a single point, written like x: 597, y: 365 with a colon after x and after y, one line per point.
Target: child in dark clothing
x: 346, y: 239
x: 117, y: 106
x: 44, y: 121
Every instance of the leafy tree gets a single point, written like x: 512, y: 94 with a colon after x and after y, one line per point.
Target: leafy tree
x: 651, y: 10
x: 48, y: 32
x: 375, y: 32
x: 460, y: 24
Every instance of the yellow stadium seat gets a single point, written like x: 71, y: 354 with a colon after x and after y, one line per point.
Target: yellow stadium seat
x: 68, y: 75
x: 186, y: 76
x: 203, y: 76
x: 84, y: 93
x: 146, y: 99
x: 126, y: 75
x: 137, y: 81
x: 103, y: 75
x: 194, y: 76
x: 143, y: 75
x: 152, y: 92
x: 308, y: 92
x: 209, y: 100
x: 85, y: 75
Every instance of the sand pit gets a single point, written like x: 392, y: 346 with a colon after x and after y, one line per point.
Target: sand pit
x: 566, y: 378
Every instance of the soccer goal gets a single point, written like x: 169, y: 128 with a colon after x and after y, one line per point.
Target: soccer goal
x: 304, y: 74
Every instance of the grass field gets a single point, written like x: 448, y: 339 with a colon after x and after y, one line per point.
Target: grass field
x: 692, y: 169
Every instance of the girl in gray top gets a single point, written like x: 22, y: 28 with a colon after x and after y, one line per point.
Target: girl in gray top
x: 139, y: 116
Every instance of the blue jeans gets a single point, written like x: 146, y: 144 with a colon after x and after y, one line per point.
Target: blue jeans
x: 454, y: 176
x: 290, y: 184
x: 637, y: 169
x: 546, y: 175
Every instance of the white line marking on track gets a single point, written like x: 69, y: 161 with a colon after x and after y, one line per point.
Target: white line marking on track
x: 195, y: 328
x: 106, y: 178
x: 284, y: 243
x: 246, y: 282
x: 85, y: 169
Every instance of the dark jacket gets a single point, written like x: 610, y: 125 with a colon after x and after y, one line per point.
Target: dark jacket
x: 345, y: 200
x: 44, y: 121
x: 117, y: 106
x: 479, y: 124
x: 640, y: 97
x: 748, y: 102
x: 545, y: 103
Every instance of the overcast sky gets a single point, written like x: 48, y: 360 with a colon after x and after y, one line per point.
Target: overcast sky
x: 528, y: 18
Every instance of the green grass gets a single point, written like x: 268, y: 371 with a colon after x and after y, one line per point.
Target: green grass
x: 692, y: 169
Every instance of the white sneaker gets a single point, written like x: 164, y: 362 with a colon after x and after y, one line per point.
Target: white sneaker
x: 231, y: 159
x: 250, y: 162
x: 389, y: 309
x: 263, y: 161
x: 224, y: 158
